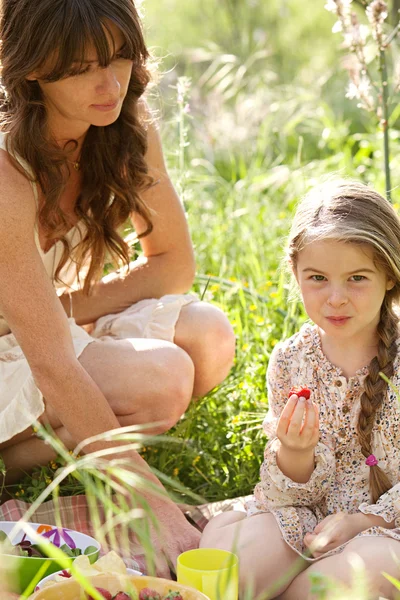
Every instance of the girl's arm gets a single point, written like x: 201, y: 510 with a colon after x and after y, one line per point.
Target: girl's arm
x: 290, y: 477
x: 386, y: 511
x: 167, y: 266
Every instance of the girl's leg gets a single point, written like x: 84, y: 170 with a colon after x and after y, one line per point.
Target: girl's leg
x: 266, y: 562
x: 205, y: 333
x: 378, y: 554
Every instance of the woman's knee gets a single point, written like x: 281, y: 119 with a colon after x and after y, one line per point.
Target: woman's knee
x: 144, y: 381
x: 173, y: 386
x: 205, y: 332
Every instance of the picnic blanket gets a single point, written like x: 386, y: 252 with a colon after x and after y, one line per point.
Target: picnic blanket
x: 75, y: 514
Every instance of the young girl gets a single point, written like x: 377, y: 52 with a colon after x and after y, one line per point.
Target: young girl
x: 79, y: 156
x: 330, y: 479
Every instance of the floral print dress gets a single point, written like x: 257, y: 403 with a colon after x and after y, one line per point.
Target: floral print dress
x: 340, y: 480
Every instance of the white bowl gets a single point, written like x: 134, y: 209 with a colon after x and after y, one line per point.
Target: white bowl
x: 53, y: 576
x: 24, y: 568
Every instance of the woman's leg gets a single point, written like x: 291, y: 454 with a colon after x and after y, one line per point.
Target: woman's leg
x: 144, y: 381
x: 266, y: 562
x: 378, y: 554
x: 205, y: 333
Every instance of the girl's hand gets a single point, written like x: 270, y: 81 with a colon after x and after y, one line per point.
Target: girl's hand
x: 298, y: 426
x: 335, y: 530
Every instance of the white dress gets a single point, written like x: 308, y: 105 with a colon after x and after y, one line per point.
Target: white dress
x: 21, y: 402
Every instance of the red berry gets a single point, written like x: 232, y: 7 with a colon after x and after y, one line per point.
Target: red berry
x: 173, y: 596
x: 66, y: 574
x: 106, y: 594
x: 301, y: 392
x: 148, y: 594
x: 122, y: 596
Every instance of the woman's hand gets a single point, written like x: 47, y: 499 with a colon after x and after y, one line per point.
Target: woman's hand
x: 174, y: 536
x: 298, y: 426
x: 335, y: 530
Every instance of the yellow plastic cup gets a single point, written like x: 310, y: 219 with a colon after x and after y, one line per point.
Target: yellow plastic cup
x: 211, y: 571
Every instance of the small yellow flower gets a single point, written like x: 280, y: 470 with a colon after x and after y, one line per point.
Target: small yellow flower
x: 17, y: 494
x: 282, y: 215
x: 241, y: 385
x: 196, y: 460
x: 54, y: 466
x: 274, y: 294
x: 396, y: 206
x: 245, y: 284
x: 252, y: 307
x: 176, y: 472
x: 274, y: 343
x: 215, y: 287
x: 235, y: 420
x: 48, y: 480
x: 245, y: 347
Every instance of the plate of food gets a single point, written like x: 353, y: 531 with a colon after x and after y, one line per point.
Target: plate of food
x: 110, y: 563
x: 120, y: 587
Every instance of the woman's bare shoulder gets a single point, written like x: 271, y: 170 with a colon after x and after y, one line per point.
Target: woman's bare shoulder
x: 16, y: 191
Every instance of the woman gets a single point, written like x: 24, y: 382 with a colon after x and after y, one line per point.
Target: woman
x: 79, y: 157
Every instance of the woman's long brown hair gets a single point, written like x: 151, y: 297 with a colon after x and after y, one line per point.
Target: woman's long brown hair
x: 113, y: 167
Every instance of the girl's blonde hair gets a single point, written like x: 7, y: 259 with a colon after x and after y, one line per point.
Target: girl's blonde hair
x: 351, y: 212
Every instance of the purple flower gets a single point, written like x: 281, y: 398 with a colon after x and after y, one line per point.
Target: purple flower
x: 60, y: 535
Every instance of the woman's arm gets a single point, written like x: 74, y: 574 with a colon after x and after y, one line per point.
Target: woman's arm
x: 167, y: 266
x: 30, y: 306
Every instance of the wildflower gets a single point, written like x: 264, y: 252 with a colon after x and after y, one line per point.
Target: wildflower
x: 196, y: 460
x: 377, y: 12
x: 252, y: 307
x: 245, y: 347
x: 274, y: 294
x: 331, y: 6
x: 58, y: 535
x: 235, y: 420
x: 176, y: 472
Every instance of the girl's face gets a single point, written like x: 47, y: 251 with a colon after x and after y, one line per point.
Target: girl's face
x: 342, y: 289
x: 93, y: 97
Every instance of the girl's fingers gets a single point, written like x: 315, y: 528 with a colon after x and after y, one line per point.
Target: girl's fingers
x: 286, y: 414
x: 309, y: 420
x: 297, y: 416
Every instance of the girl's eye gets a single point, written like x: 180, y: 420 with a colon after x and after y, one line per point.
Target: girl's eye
x: 358, y: 277
x: 317, y: 277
